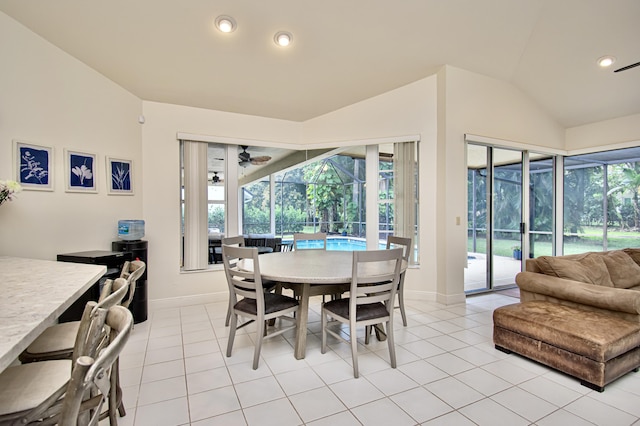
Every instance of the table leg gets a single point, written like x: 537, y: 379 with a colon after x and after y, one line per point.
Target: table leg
x: 303, y: 317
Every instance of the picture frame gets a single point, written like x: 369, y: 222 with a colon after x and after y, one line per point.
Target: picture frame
x: 33, y: 166
x: 119, y: 176
x: 80, y: 171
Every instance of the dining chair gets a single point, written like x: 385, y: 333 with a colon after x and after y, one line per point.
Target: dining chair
x: 407, y: 247
x: 57, y: 341
x: 239, y: 241
x: 132, y: 271
x: 249, y: 300
x: 374, y: 282
x: 318, y: 236
x: 70, y: 391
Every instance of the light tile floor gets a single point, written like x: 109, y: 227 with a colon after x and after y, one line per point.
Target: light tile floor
x: 175, y: 372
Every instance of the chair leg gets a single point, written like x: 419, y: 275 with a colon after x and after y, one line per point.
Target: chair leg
x: 354, y: 348
x: 323, y: 323
x: 232, y: 333
x: 121, y: 410
x: 392, y: 348
x: 401, y: 302
x: 259, y: 339
x: 112, y: 403
x: 229, y: 310
x: 367, y: 334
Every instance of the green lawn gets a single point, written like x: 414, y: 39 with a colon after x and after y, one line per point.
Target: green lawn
x: 590, y: 240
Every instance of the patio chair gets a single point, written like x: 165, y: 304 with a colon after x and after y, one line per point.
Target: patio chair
x: 249, y: 300
x: 374, y: 282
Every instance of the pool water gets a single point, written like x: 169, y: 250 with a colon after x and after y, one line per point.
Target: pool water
x: 337, y: 244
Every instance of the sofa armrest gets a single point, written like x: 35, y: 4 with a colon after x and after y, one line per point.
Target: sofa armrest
x: 609, y: 298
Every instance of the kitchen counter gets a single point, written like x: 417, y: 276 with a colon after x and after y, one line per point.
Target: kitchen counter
x: 33, y: 295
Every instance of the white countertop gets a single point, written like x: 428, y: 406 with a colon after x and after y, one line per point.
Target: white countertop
x: 33, y: 294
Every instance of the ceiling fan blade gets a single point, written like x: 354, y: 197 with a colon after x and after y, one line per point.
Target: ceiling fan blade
x: 258, y: 161
x: 628, y: 67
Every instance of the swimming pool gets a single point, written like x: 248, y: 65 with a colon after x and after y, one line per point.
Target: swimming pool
x: 338, y: 244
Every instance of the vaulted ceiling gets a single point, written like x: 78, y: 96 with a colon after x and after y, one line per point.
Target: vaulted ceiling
x: 347, y: 51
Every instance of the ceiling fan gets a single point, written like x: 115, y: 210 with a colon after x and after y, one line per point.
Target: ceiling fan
x: 215, y: 179
x: 245, y: 159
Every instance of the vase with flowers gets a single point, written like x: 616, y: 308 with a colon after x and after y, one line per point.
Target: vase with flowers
x: 8, y: 190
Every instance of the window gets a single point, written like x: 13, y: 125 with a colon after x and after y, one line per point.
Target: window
x: 602, y: 201
x: 256, y: 208
x: 203, y: 201
x: 320, y: 190
x: 216, y: 199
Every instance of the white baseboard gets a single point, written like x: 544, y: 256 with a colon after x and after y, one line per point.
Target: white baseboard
x: 451, y: 299
x: 179, y: 302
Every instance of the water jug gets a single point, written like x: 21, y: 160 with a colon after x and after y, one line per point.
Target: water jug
x: 130, y: 229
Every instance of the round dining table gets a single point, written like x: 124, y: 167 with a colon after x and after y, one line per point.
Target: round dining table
x: 311, y: 273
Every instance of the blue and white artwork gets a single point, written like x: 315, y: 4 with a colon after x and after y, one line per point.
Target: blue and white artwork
x: 80, y: 172
x: 33, y: 166
x: 119, y: 172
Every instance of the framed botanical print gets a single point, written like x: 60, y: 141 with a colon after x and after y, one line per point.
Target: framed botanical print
x: 119, y: 176
x: 33, y: 166
x: 80, y: 171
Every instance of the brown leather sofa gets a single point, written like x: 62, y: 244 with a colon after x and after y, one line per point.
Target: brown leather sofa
x: 607, y: 282
x: 579, y: 314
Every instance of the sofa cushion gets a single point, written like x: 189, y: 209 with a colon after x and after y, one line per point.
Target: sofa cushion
x: 595, y: 335
x: 634, y: 253
x: 588, y: 268
x: 624, y: 272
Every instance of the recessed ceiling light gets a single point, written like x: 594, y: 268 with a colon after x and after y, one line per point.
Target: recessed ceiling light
x: 606, y: 61
x: 226, y: 24
x: 283, y: 38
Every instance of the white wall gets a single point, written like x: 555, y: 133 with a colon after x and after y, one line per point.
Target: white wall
x: 441, y: 109
x: 407, y: 111
x: 484, y: 106
x: 617, y: 133
x: 161, y: 184
x: 49, y: 98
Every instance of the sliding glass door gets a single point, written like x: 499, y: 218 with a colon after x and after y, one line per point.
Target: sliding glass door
x: 506, y: 233
x: 510, y: 197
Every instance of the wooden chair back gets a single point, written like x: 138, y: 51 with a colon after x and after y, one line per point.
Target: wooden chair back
x: 243, y: 282
x: 238, y: 240
x: 132, y: 271
x: 90, y: 383
x: 404, y: 243
x: 375, y: 277
x: 318, y: 236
